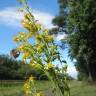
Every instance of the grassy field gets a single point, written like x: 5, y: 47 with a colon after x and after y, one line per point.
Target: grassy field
x: 82, y: 89
x: 77, y: 88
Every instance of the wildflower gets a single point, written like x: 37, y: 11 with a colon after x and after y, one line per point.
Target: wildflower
x: 35, y: 65
x: 38, y: 26
x: 39, y: 37
x: 33, y: 61
x: 26, y: 24
x: 22, y: 47
x: 31, y: 78
x: 21, y: 33
x: 45, y: 31
x: 26, y: 88
x: 26, y: 16
x: 40, y: 47
x: 50, y: 65
x: 39, y: 94
x: 16, y: 39
x: 28, y: 35
x: 49, y: 38
x: 26, y: 55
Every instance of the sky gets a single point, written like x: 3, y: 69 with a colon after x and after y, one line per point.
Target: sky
x: 43, y: 10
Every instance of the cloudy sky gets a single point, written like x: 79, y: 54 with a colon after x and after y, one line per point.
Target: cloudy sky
x: 43, y: 10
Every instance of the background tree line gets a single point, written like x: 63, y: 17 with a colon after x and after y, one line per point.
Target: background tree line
x: 11, y: 69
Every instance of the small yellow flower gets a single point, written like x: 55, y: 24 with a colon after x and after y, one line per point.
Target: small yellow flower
x: 28, y: 35
x: 22, y: 47
x: 26, y: 88
x: 32, y: 62
x: 35, y: 65
x: 49, y: 38
x: 50, y: 65
x: 21, y: 33
x: 31, y: 78
x: 39, y: 94
x: 39, y: 37
x: 38, y: 25
x: 45, y: 30
x: 26, y: 24
x: 26, y: 55
x: 40, y: 47
x: 26, y: 16
x: 16, y: 39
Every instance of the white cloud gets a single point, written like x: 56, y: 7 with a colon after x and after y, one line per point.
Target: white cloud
x: 44, y: 18
x: 60, y: 36
x: 10, y: 16
x: 72, y: 71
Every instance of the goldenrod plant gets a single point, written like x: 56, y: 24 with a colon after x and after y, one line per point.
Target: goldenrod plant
x: 38, y: 48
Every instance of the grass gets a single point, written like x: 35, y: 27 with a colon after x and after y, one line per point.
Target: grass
x: 82, y: 89
x: 77, y: 88
x: 10, y: 88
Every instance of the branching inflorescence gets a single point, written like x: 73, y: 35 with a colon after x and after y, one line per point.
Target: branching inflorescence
x: 40, y: 51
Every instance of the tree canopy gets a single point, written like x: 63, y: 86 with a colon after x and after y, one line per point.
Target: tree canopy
x: 78, y: 22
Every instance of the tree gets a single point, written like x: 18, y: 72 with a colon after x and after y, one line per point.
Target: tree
x: 13, y: 69
x: 80, y: 23
x: 8, y: 67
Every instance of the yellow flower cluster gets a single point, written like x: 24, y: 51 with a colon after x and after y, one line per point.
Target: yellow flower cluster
x: 35, y: 64
x: 24, y: 35
x: 40, y: 53
x: 21, y: 34
x: 26, y: 55
x: 39, y: 37
x: 39, y: 94
x: 27, y: 87
x: 22, y: 47
x: 16, y: 39
x: 48, y: 38
x: 49, y: 66
x: 38, y: 25
x: 39, y: 47
x: 31, y: 78
x: 21, y: 37
x: 45, y: 31
x: 28, y: 24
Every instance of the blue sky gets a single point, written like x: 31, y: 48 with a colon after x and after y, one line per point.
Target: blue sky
x: 44, y: 11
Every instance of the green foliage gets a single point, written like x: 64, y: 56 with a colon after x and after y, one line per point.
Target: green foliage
x: 80, y: 23
x: 8, y: 67
x: 82, y: 36
x: 13, y: 69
